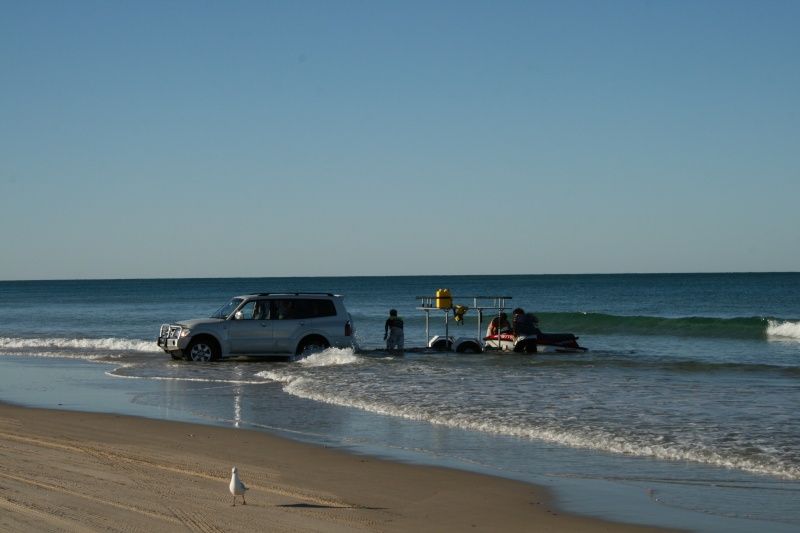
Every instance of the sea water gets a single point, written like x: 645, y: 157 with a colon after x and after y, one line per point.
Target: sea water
x: 682, y: 412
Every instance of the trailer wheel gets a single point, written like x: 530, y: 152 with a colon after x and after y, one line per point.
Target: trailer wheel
x: 441, y: 345
x: 469, y: 347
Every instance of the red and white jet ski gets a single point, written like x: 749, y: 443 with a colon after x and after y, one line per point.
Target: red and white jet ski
x: 545, y: 342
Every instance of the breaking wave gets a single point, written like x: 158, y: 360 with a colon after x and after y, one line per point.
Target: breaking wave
x: 755, y: 327
x: 783, y: 328
x: 108, y: 344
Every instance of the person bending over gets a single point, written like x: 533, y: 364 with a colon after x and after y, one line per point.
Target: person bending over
x: 499, y: 324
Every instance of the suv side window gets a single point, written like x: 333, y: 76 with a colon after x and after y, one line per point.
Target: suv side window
x: 284, y: 309
x: 324, y: 308
x: 245, y: 312
x: 313, y: 308
x: 255, y: 310
x: 261, y: 310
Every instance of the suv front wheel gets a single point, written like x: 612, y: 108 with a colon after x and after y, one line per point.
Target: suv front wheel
x: 202, y: 350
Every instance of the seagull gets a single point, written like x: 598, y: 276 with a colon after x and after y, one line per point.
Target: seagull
x: 237, y: 487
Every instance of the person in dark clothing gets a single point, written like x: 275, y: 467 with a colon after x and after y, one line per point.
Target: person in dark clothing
x: 526, y: 328
x: 393, y: 332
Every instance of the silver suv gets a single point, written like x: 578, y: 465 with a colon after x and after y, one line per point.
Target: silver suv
x: 265, y: 324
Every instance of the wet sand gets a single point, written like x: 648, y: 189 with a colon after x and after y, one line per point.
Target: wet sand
x: 73, y: 471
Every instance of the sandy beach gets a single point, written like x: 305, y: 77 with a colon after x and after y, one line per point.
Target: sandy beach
x: 74, y: 471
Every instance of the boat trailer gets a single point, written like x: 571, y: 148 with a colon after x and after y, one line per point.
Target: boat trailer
x: 502, y: 342
x: 443, y: 302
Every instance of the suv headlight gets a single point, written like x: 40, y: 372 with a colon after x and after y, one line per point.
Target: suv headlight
x: 185, y: 332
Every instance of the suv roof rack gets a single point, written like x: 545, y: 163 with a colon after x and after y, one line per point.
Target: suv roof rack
x: 296, y: 293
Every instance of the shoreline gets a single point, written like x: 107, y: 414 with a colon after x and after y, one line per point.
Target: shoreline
x: 73, y: 471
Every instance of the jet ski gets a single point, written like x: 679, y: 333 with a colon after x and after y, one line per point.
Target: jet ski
x: 545, y: 342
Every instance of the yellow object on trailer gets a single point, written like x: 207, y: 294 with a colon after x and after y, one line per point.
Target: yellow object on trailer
x: 444, y: 299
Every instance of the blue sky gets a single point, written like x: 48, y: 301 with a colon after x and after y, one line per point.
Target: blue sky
x: 326, y: 138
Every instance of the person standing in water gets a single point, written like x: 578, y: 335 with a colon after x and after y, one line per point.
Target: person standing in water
x: 393, y: 332
x: 526, y: 329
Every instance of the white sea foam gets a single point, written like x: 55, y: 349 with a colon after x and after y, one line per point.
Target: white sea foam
x: 786, y: 329
x: 111, y: 344
x: 593, y: 439
x: 326, y: 358
x: 330, y: 357
x: 277, y: 376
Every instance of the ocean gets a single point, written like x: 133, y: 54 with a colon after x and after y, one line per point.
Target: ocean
x: 683, y: 412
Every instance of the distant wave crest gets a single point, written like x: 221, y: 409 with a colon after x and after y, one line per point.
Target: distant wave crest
x: 737, y: 328
x: 784, y: 328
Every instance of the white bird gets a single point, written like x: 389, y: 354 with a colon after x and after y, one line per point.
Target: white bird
x: 237, y: 487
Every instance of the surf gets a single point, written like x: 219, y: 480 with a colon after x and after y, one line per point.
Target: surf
x: 755, y: 327
x: 113, y: 344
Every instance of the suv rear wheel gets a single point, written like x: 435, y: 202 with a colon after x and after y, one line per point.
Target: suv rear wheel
x: 202, y: 350
x: 312, y: 344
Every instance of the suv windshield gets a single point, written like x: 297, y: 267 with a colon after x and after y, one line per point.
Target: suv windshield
x: 225, y: 311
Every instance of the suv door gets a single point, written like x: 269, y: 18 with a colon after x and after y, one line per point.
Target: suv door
x: 294, y: 321
x: 250, y: 329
